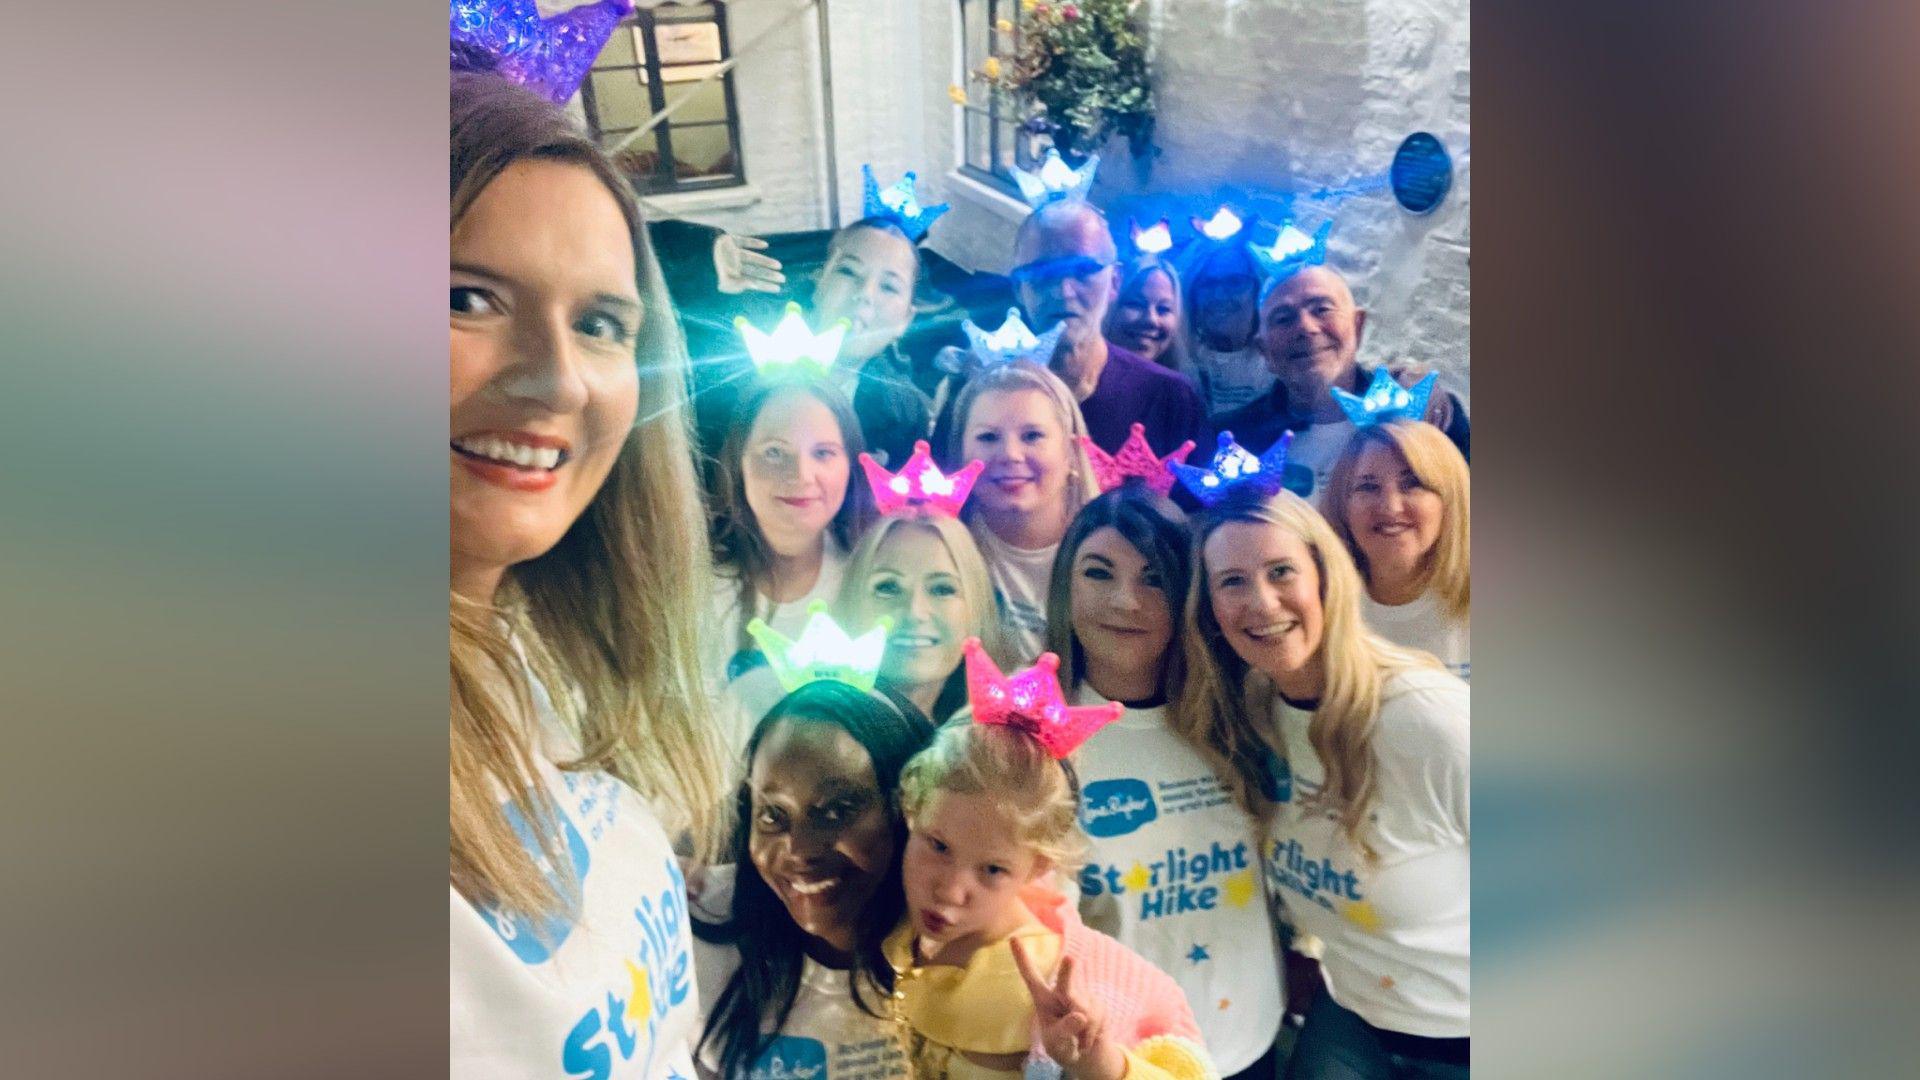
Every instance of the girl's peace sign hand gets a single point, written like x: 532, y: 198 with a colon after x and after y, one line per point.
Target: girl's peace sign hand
x: 1072, y: 1030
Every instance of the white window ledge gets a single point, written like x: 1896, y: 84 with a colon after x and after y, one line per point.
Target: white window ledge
x: 987, y: 197
x: 678, y: 203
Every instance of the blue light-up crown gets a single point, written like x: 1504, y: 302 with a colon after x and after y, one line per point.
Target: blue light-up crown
x: 900, y: 202
x: 1152, y: 240
x: 1013, y: 341
x: 823, y: 651
x: 1292, y: 250
x: 1223, y: 225
x: 1055, y: 180
x: 1234, y: 469
x: 1386, y: 400
x: 550, y: 56
x: 791, y: 343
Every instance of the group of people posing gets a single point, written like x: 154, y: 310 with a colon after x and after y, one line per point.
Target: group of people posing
x: 818, y: 724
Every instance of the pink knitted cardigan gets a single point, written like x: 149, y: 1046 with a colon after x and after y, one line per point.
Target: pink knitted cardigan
x: 1141, y: 1001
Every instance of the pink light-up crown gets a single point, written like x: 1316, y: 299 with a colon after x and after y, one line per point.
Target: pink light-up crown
x: 1031, y: 701
x: 920, y: 485
x: 1134, y: 458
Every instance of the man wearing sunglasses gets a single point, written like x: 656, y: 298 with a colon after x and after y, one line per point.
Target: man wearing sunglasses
x: 1064, y: 273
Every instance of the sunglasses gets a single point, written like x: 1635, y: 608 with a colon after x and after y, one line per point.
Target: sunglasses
x: 1047, y: 271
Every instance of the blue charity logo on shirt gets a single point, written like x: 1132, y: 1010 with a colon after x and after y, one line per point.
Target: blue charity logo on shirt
x: 534, y: 944
x: 791, y: 1058
x: 1116, y: 807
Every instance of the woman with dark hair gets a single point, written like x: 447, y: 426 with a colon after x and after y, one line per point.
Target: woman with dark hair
x: 1173, y: 866
x: 869, y: 279
x: 786, y: 510
x: 579, y: 743
x: 788, y: 947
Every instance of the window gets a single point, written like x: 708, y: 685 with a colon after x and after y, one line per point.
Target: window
x: 656, y: 59
x: 991, y: 138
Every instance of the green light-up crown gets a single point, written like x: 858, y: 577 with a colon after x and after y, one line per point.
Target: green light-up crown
x: 791, y: 343
x: 824, y: 651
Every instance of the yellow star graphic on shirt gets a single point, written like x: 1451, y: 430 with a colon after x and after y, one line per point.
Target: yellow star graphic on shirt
x: 642, y: 1001
x: 1362, y: 915
x: 1137, y: 879
x: 1238, y: 888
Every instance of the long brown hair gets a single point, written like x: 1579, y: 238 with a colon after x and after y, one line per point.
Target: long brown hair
x: 607, y: 620
x: 739, y: 547
x: 1157, y: 529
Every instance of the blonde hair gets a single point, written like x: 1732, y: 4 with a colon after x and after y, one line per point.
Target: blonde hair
x: 1010, y: 766
x: 1223, y: 709
x: 607, y: 619
x: 1177, y: 355
x: 1447, y: 568
x: 1027, y: 375
x: 976, y: 587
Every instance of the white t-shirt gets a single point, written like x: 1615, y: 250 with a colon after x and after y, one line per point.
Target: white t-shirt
x: 744, y: 683
x: 1398, y: 933
x: 607, y: 994
x: 1423, y: 624
x: 1173, y: 872
x: 826, y: 1037
x: 1020, y: 589
x: 1315, y: 449
x: 1231, y: 379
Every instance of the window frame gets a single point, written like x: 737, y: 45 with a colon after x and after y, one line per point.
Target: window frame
x: 997, y: 126
x: 663, y: 180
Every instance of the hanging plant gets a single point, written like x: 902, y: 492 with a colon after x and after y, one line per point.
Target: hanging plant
x: 1078, y: 74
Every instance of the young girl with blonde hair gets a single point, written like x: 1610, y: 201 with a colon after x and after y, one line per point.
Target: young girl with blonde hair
x: 1355, y: 752
x: 1399, y: 497
x: 579, y: 738
x: 996, y: 974
x: 1024, y: 423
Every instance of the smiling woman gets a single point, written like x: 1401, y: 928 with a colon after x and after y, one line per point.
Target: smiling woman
x: 576, y: 711
x: 789, y: 947
x: 787, y: 510
x: 1355, y: 751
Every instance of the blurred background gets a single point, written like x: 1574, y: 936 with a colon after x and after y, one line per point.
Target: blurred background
x: 221, y: 541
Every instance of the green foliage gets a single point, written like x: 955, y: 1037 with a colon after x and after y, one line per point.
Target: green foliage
x: 1081, y: 70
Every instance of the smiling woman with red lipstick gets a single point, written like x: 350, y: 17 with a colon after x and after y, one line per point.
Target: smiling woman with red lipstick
x: 791, y: 949
x: 1023, y: 422
x: 1119, y: 585
x: 1355, y: 751
x: 1399, y: 496
x: 576, y: 714
x: 787, y: 511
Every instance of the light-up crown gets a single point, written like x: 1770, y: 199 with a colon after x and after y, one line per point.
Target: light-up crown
x: 1134, y: 458
x: 791, y: 342
x: 920, y: 485
x: 1031, y: 701
x: 1055, y: 180
x: 1292, y: 250
x: 1151, y: 240
x: 1013, y: 341
x: 1235, y: 469
x: 899, y: 202
x: 550, y: 55
x: 1386, y: 400
x: 824, y: 651
x: 1223, y: 225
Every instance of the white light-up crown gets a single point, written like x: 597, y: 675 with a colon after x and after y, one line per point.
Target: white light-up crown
x: 1013, y: 341
x: 791, y: 342
x: 1055, y: 180
x: 824, y: 651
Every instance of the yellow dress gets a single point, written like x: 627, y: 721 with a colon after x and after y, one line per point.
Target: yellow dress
x: 984, y: 1008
